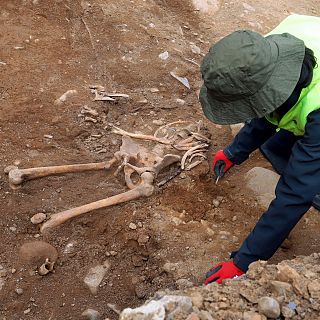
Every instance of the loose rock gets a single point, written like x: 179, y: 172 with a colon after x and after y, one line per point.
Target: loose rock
x: 314, y: 289
x: 184, y: 284
x: 251, y: 315
x: 153, y: 310
x: 216, y: 203
x: 19, y: 291
x: 132, y: 226
x: 262, y: 182
x: 280, y: 288
x: 180, y: 101
x: 287, y: 312
x: 197, y: 299
x: 95, y: 276
x: 269, y: 307
x: 38, y: 218
x: 91, y: 314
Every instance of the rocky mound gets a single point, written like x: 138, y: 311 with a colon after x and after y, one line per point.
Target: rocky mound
x: 289, y: 290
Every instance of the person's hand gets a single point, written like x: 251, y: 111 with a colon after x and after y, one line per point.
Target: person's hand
x: 221, y: 164
x: 221, y: 271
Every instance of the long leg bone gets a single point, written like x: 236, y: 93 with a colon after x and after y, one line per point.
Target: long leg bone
x: 144, y: 189
x: 18, y: 176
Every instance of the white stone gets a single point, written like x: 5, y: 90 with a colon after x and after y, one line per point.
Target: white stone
x: 181, y: 102
x: 69, y: 248
x: 154, y: 310
x: 95, y: 276
x: 132, y: 226
x: 164, y: 55
x: 195, y: 49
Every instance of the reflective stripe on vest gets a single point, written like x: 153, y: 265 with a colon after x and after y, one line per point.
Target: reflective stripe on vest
x: 306, y: 28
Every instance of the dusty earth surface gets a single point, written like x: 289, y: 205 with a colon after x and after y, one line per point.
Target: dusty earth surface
x: 49, y: 47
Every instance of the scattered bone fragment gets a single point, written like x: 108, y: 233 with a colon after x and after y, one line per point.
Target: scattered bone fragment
x: 90, y: 111
x: 38, y: 218
x: 90, y: 119
x: 102, y: 95
x: 65, y: 96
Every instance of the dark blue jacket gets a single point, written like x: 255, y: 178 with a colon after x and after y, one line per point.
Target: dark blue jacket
x: 298, y: 184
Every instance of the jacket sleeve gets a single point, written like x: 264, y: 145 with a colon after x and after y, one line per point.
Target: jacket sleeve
x: 295, y: 191
x: 250, y: 137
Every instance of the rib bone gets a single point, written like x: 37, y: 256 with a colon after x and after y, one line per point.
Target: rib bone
x: 140, y: 136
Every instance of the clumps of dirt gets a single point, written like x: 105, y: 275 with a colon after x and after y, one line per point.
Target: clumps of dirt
x: 289, y: 290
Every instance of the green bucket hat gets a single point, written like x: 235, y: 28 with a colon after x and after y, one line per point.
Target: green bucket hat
x: 248, y: 76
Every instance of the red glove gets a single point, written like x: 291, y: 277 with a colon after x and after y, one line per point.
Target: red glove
x: 221, y: 271
x: 221, y: 164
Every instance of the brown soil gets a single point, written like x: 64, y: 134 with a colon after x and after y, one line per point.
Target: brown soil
x: 51, y: 47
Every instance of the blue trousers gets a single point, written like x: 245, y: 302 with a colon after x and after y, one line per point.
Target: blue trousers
x: 297, y: 160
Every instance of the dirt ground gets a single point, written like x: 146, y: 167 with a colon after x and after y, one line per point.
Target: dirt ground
x: 49, y: 47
